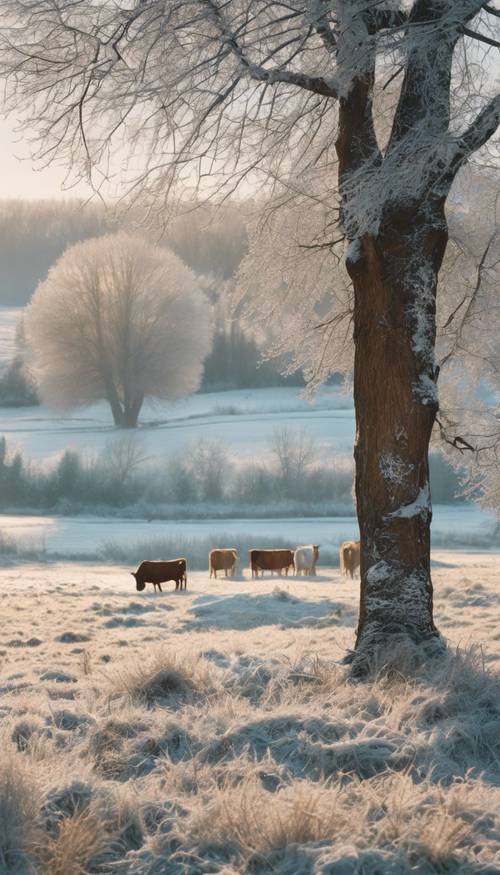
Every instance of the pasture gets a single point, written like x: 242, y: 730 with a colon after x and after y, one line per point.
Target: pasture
x: 245, y: 419
x: 215, y: 730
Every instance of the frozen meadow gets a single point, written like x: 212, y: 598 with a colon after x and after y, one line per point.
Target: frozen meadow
x: 245, y: 419
x: 215, y: 731
x: 92, y: 537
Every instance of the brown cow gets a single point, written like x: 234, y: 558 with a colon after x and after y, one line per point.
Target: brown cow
x: 270, y: 560
x: 160, y: 572
x: 349, y: 557
x: 222, y: 560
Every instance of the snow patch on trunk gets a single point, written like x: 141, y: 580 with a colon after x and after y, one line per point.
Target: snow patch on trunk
x: 421, y: 506
x: 379, y: 573
x: 353, y: 253
x: 425, y: 390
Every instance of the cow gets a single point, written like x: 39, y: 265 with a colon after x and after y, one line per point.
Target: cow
x: 161, y: 572
x: 222, y: 560
x: 349, y: 557
x: 270, y: 560
x: 305, y: 558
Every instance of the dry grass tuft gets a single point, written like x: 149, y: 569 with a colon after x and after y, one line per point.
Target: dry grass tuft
x: 19, y: 806
x: 258, y: 822
x: 78, y: 841
x: 163, y: 677
x: 395, y: 658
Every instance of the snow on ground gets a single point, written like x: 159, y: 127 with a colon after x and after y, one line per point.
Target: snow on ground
x: 244, y: 419
x: 214, y: 731
x: 89, y: 535
x: 64, y: 598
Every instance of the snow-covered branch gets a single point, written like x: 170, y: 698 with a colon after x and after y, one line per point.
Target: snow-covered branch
x: 309, y: 82
x: 478, y: 133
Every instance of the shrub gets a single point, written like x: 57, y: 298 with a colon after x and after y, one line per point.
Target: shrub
x: 17, y: 387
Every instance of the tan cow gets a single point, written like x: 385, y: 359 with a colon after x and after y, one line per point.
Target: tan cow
x: 349, y: 558
x: 270, y: 560
x: 222, y: 560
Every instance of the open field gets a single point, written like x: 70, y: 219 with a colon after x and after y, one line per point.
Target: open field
x: 214, y: 731
x: 244, y: 419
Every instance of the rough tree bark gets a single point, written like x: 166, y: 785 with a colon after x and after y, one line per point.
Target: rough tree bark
x: 394, y: 270
x: 125, y: 412
x: 130, y: 413
x: 125, y: 415
x: 394, y: 275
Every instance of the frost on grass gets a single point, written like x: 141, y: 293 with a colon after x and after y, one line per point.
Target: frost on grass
x: 163, y: 677
x: 19, y: 806
x: 254, y: 753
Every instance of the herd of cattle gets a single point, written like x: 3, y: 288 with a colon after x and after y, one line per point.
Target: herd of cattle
x: 302, y: 561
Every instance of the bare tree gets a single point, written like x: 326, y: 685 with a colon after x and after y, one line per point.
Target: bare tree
x: 121, y: 320
x: 121, y: 459
x: 295, y: 451
x: 210, y: 466
x: 289, y: 93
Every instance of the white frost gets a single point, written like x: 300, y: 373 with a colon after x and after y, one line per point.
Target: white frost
x: 353, y: 253
x: 421, y: 505
x: 394, y: 469
x: 426, y: 390
x: 378, y: 573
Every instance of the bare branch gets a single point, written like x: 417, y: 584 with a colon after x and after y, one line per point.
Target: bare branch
x: 491, y: 10
x: 481, y: 37
x: 478, y: 133
x: 316, y: 84
x: 457, y: 442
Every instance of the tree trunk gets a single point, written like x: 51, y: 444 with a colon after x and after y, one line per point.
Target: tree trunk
x: 124, y: 416
x: 130, y: 413
x: 395, y: 276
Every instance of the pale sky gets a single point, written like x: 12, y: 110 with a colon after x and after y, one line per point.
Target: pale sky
x: 18, y: 178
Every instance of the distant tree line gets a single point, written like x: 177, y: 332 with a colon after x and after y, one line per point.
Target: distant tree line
x: 200, y: 480
x: 17, y: 386
x: 236, y: 362
x: 34, y: 235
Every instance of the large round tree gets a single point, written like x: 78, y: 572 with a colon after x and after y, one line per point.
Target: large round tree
x: 120, y: 320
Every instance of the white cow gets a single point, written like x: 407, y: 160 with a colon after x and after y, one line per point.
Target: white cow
x: 305, y: 558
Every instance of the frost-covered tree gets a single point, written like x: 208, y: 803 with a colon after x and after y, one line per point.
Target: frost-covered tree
x: 468, y: 348
x: 368, y: 108
x: 120, y: 320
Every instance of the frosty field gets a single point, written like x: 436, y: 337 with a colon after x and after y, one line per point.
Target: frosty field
x: 214, y: 731
x: 244, y: 419
x: 89, y: 536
